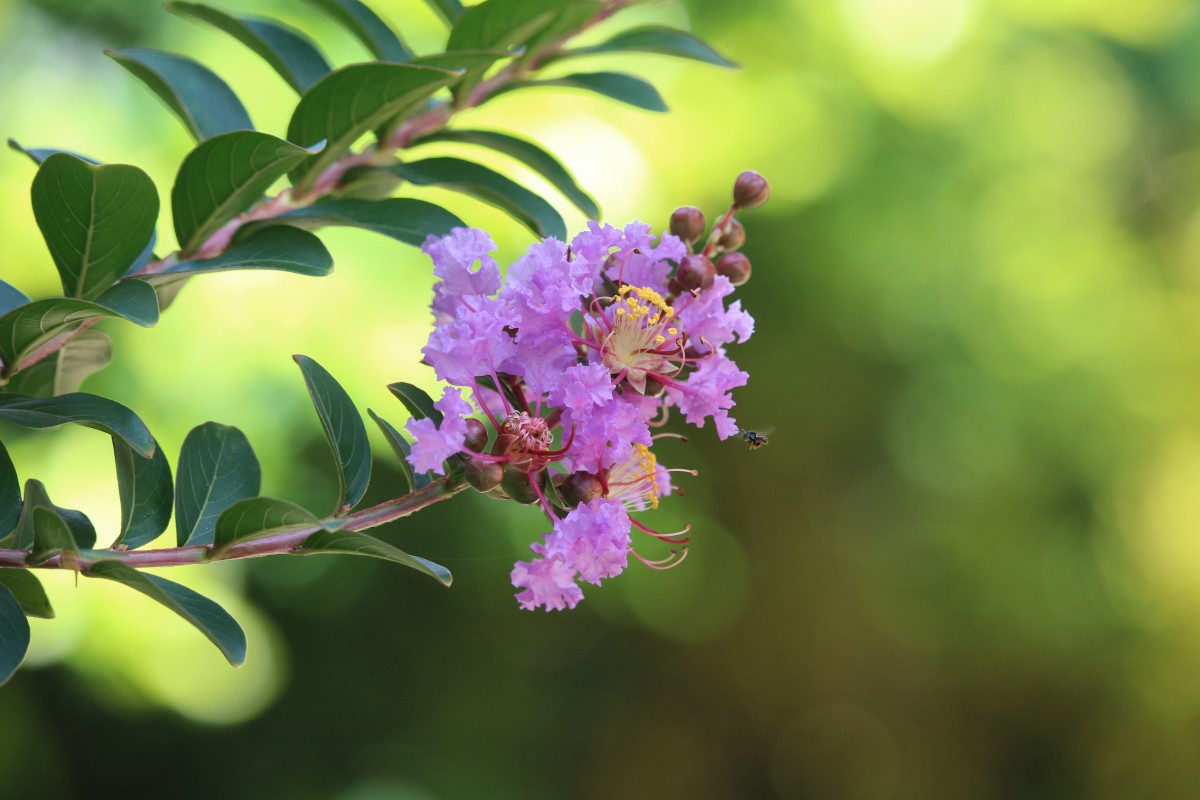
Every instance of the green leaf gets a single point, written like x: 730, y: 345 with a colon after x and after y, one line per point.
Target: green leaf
x: 10, y: 494
x: 96, y: 220
x: 10, y: 298
x: 416, y: 400
x: 289, y: 52
x: 367, y: 27
x: 40, y: 154
x: 347, y: 103
x: 448, y: 10
x: 147, y: 495
x: 360, y: 544
x: 616, y: 85
x: 211, y: 620
x: 89, y: 410
x: 28, y: 591
x: 280, y: 247
x: 25, y: 329
x: 217, y: 468
x: 504, y: 24
x: 83, y: 532
x: 35, y: 498
x: 343, y: 429
x: 51, y: 536
x: 489, y: 186
x: 255, y: 517
x: 406, y: 220
x: 529, y: 154
x: 14, y: 635
x: 223, y: 177
x: 401, y: 448
x: 64, y: 371
x: 653, y: 39
x: 201, y: 100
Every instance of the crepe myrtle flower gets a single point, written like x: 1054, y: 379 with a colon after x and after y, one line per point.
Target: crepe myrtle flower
x: 576, y: 359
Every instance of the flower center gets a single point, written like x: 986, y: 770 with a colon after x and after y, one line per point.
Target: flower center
x: 642, y: 340
x: 635, y: 481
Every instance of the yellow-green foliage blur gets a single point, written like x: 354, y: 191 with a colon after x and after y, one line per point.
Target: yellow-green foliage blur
x: 966, y: 566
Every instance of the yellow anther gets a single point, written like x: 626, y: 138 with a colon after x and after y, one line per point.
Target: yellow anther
x: 660, y: 339
x: 673, y: 331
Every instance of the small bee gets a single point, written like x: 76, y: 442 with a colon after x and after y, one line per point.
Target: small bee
x: 752, y: 438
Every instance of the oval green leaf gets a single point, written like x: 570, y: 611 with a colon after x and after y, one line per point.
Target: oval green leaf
x: 528, y: 154
x: 351, y: 101
x: 147, y: 495
x: 217, y: 468
x: 25, y: 329
x: 344, y: 430
x: 223, y: 177
x: 406, y: 220
x: 367, y: 27
x: 28, y: 591
x: 615, y: 85
x: 354, y: 543
x: 14, y: 635
x: 51, y: 536
x: 208, y: 617
x: 281, y: 248
x: 289, y: 52
x: 489, y: 186
x: 64, y: 371
x: 255, y: 517
x: 202, y: 101
x: 89, y: 410
x: 96, y: 220
x: 653, y: 39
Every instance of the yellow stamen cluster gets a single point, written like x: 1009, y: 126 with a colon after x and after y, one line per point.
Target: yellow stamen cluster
x: 649, y: 469
x: 638, y: 302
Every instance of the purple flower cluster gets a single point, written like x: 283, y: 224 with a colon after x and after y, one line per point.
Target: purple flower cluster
x: 575, y: 358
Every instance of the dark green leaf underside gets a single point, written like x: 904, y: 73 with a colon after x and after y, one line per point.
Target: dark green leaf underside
x: 355, y: 543
x: 217, y: 468
x: 344, y: 431
x: 89, y: 410
x: 406, y: 220
x: 14, y: 635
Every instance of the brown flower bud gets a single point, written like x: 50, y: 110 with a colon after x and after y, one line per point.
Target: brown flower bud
x: 734, y: 266
x: 580, y: 487
x: 518, y: 485
x: 687, y: 223
x: 477, y: 436
x: 750, y: 190
x: 733, y: 237
x: 483, y: 475
x: 695, y: 272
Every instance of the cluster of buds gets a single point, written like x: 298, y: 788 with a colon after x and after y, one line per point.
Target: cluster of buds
x: 576, y: 359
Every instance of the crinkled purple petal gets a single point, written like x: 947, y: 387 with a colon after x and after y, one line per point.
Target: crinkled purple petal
x: 593, y: 539
x: 545, y: 582
x: 433, y: 444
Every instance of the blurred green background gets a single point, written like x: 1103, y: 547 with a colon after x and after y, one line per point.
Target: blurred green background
x: 967, y: 565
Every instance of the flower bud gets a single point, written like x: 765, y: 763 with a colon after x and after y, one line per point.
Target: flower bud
x: 687, y: 223
x: 580, y: 487
x: 477, y: 436
x: 518, y: 485
x: 695, y: 272
x: 483, y: 475
x: 733, y: 237
x: 734, y: 266
x: 750, y: 190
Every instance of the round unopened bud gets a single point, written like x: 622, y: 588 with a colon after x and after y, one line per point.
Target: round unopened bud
x: 750, y: 190
x: 733, y: 237
x: 519, y: 485
x: 477, y: 436
x: 734, y: 266
x: 687, y: 223
x: 483, y: 475
x: 580, y: 487
x: 695, y: 273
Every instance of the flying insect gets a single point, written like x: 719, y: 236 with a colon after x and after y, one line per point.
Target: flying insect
x: 753, y: 438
